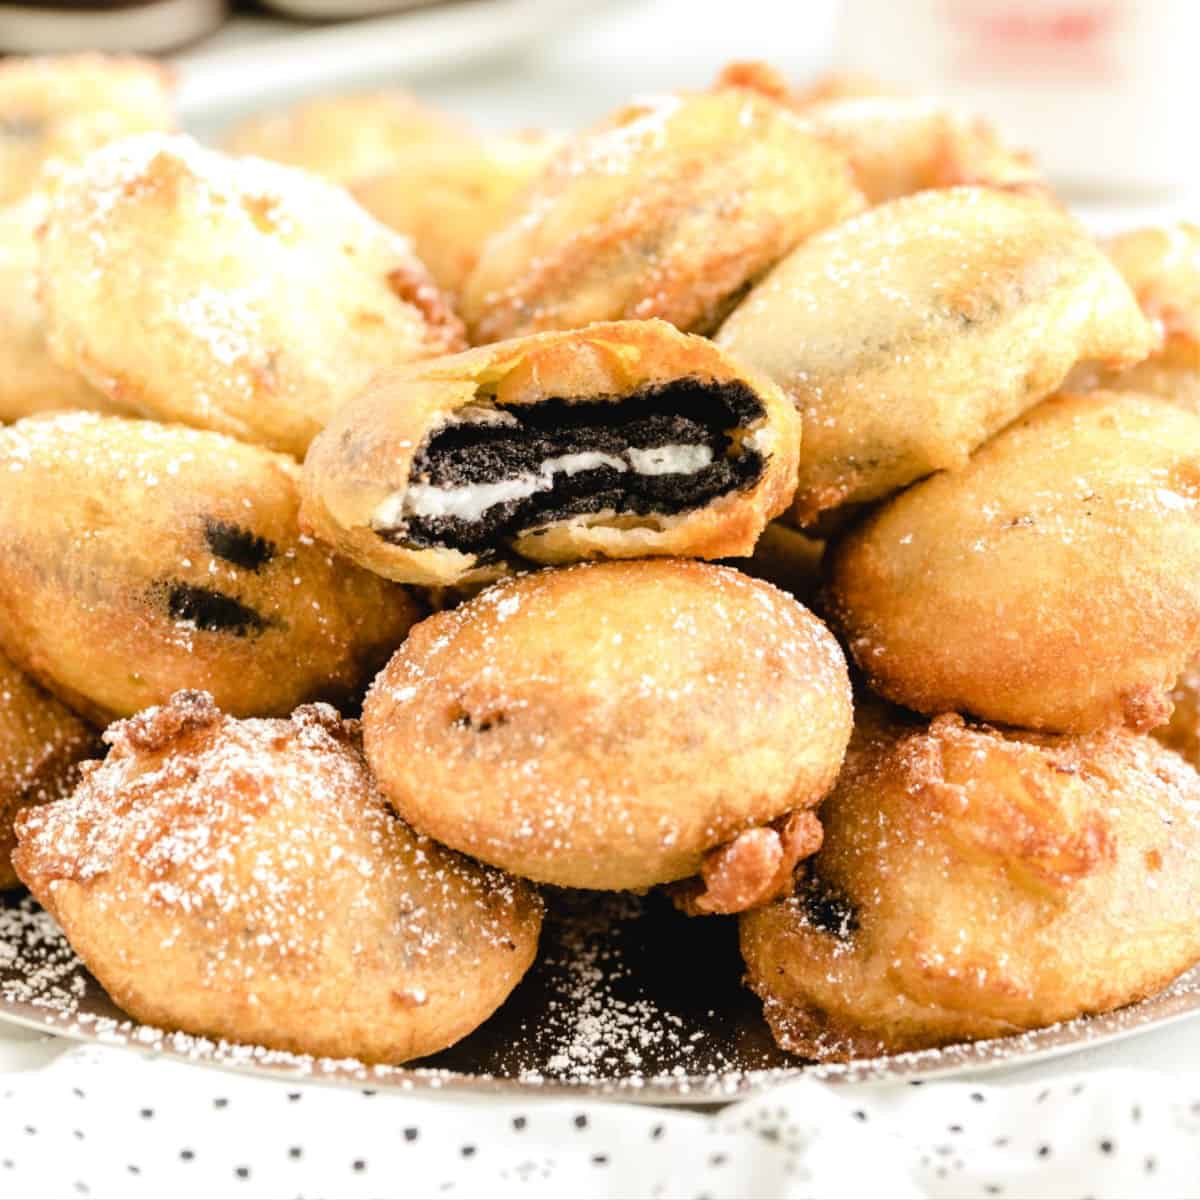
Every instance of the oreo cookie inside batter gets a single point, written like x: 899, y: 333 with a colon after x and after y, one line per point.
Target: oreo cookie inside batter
x: 492, y: 472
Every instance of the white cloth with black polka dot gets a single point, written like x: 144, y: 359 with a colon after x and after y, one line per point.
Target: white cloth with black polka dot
x: 95, y: 1121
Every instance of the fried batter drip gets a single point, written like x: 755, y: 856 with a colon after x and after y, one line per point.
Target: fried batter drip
x: 753, y: 869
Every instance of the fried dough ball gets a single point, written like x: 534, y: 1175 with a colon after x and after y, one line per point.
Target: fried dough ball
x: 911, y: 334
x: 450, y: 196
x: 139, y: 558
x: 670, y: 208
x: 898, y: 145
x: 56, y: 110
x: 245, y: 880
x: 1054, y: 583
x: 345, y: 138
x: 230, y: 294
x: 608, y: 725
x: 41, y: 745
x: 1162, y: 267
x: 617, y: 441
x: 1182, y: 732
x: 30, y: 380
x: 976, y: 883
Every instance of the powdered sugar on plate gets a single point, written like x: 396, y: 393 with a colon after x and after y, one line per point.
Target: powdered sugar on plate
x: 629, y: 999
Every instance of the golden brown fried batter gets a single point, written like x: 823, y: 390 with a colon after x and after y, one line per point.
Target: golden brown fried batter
x: 230, y: 294
x: 345, y: 138
x: 669, y: 209
x: 1162, y: 267
x: 56, y: 110
x: 755, y: 868
x: 1182, y: 732
x: 245, y: 880
x: 140, y: 558
x: 898, y: 145
x: 30, y: 380
x: 975, y: 883
x: 1054, y: 583
x: 911, y: 334
x: 41, y: 745
x: 606, y: 725
x: 621, y: 440
x: 450, y: 196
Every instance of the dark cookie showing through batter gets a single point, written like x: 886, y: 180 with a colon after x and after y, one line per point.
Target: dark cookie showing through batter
x: 493, y: 472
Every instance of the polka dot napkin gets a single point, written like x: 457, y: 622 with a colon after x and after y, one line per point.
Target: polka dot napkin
x: 102, y: 1122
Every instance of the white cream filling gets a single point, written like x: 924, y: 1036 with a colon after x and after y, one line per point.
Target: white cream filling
x: 468, y: 502
x: 670, y: 460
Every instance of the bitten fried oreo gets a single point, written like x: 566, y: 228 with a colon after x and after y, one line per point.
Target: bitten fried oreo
x: 911, y: 334
x: 975, y: 883
x: 139, y: 558
x: 670, y: 208
x: 245, y: 880
x: 1053, y: 583
x: 229, y: 294
x: 41, y: 745
x: 618, y: 725
x: 617, y: 441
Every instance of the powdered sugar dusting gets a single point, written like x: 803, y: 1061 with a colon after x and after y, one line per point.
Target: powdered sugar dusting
x: 692, y: 1058
x: 262, y: 888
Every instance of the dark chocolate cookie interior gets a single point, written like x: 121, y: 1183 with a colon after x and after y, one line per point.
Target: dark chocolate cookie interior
x: 495, y: 472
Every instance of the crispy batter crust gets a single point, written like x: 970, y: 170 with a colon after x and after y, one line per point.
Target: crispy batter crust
x: 30, y: 380
x: 245, y: 880
x: 898, y: 145
x: 909, y: 335
x: 346, y: 138
x: 229, y: 294
x: 140, y: 558
x: 365, y: 455
x: 667, y: 209
x: 449, y: 197
x: 606, y: 725
x: 41, y: 745
x: 1053, y: 583
x: 1162, y: 267
x: 975, y: 883
x: 54, y: 111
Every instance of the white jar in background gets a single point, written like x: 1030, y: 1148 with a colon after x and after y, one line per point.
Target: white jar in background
x: 1103, y: 91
